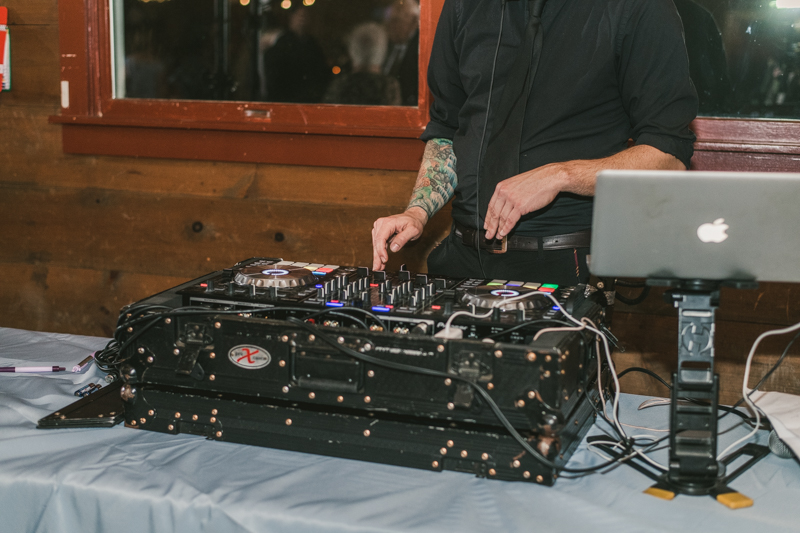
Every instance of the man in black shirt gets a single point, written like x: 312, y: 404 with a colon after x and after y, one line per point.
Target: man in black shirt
x: 609, y: 71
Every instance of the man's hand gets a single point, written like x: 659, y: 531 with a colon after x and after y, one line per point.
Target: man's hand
x: 520, y: 195
x: 397, y: 230
x: 537, y: 188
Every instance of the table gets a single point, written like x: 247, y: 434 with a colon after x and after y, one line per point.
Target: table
x: 127, y: 480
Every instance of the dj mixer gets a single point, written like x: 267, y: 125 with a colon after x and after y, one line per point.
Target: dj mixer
x: 345, y: 346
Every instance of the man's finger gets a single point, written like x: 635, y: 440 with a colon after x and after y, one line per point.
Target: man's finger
x: 382, y: 232
x: 492, y: 216
x: 506, y: 216
x: 408, y: 233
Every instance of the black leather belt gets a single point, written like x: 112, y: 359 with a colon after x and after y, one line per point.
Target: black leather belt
x: 470, y: 237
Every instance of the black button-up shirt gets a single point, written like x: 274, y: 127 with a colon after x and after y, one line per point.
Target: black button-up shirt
x: 610, y: 70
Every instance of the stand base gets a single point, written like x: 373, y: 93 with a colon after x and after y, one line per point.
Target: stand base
x: 666, y: 488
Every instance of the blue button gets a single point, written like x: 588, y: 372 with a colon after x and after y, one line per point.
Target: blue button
x: 334, y: 304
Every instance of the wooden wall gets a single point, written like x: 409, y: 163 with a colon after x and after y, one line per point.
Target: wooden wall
x: 80, y: 236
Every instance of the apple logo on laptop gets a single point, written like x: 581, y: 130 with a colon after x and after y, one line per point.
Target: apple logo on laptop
x: 713, y: 231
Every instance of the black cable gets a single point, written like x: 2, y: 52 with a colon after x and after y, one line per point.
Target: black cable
x: 435, y: 373
x: 771, y: 370
x: 483, y: 138
x: 633, y: 301
x: 530, y: 323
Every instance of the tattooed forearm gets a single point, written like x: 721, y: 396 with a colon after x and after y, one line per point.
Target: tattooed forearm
x: 437, y: 180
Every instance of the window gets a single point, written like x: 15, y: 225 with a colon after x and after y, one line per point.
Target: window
x: 186, y: 79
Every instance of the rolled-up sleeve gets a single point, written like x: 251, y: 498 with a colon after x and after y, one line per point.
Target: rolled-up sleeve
x: 656, y: 89
x: 444, y: 79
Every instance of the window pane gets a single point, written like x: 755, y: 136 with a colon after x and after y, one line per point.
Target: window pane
x: 743, y: 56
x: 361, y: 52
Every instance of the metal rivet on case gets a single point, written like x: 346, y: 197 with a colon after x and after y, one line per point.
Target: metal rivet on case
x: 177, y: 415
x: 498, y: 353
x: 150, y: 359
x: 166, y: 320
x: 490, y: 386
x: 371, y: 374
x: 130, y: 329
x: 485, y: 456
x: 531, y: 394
x: 435, y: 464
x: 219, y: 433
x: 451, y: 405
x: 539, y: 478
x: 340, y: 399
x: 288, y: 421
x: 440, y: 348
x: 443, y: 451
x: 520, y: 403
x: 142, y: 420
x: 133, y: 422
x: 285, y: 338
x: 516, y: 463
x: 340, y: 340
x: 492, y: 472
x: 526, y: 474
x: 531, y: 357
x: 151, y: 412
x: 450, y: 444
x: 213, y: 419
x: 311, y: 337
x: 367, y: 399
x: 212, y: 377
x: 547, y: 358
x: 195, y: 417
x: 176, y: 351
x: 217, y: 325
x: 212, y: 355
x: 281, y: 363
x: 285, y: 388
x: 366, y: 433
x: 214, y: 411
x: 170, y: 427
x: 311, y: 395
x: 448, y: 381
x: 140, y: 350
x: 464, y: 453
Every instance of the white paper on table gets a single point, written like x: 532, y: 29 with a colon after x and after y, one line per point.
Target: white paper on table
x: 783, y: 411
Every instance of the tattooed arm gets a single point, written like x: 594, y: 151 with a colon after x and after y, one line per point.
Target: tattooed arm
x: 435, y: 187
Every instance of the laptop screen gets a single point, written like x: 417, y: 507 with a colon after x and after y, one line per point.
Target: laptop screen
x: 697, y: 225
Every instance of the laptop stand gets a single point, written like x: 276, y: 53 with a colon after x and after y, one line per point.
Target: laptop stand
x: 693, y: 466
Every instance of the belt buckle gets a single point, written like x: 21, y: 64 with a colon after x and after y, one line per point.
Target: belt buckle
x: 494, y: 248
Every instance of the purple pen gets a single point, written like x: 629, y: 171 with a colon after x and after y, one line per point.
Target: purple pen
x: 31, y: 369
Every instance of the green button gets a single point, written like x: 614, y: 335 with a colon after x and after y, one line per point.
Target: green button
x: 549, y: 285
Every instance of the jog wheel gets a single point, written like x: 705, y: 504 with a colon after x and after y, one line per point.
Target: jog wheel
x: 271, y: 276
x: 503, y: 297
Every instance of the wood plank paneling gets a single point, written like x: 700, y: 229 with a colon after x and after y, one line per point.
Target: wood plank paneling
x: 652, y: 342
x: 70, y: 300
x: 34, y: 66
x: 22, y: 12
x: 27, y: 132
x: 770, y: 303
x: 184, y: 236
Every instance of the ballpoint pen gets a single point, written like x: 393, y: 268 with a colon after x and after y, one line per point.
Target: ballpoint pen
x: 31, y: 369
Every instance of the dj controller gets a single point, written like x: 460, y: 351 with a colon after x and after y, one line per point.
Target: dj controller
x: 316, y: 357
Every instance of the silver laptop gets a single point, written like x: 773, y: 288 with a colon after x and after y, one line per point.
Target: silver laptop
x: 697, y: 225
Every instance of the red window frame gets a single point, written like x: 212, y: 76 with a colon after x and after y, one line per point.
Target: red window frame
x: 349, y: 136
x: 324, y: 135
